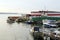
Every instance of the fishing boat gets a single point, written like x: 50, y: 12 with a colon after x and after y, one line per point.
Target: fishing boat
x: 12, y: 19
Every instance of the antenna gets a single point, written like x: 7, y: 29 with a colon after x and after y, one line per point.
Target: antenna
x: 45, y: 7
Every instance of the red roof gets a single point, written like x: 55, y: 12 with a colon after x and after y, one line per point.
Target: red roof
x: 53, y: 14
x: 39, y: 14
x: 35, y: 14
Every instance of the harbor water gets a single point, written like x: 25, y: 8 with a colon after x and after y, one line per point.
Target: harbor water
x: 13, y: 31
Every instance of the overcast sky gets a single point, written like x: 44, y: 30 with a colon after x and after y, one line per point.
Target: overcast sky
x: 28, y: 5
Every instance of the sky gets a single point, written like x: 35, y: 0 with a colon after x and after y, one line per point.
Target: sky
x: 26, y: 6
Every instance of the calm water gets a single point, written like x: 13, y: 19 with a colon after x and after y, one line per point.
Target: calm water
x: 13, y: 31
